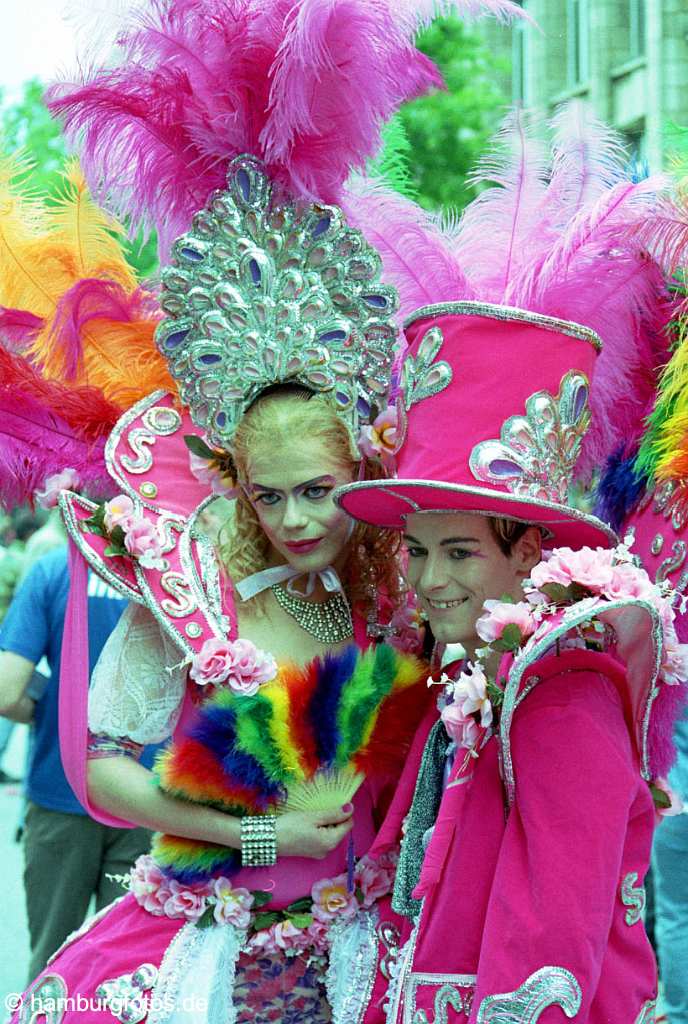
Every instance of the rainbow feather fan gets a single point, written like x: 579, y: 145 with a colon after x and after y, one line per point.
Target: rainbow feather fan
x: 307, y: 739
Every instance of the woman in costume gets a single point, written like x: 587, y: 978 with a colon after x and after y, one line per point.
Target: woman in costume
x: 277, y: 336
x: 527, y: 801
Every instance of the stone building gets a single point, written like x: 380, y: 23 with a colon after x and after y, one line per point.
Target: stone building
x: 628, y: 58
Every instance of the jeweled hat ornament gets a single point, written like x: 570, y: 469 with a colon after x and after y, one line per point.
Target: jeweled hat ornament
x: 523, y: 383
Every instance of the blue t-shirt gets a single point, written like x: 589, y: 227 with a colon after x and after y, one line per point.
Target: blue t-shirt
x: 33, y: 628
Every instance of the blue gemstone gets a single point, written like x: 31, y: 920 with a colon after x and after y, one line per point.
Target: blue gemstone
x: 244, y: 183
x: 376, y: 301
x: 363, y: 408
x: 255, y: 272
x: 342, y: 398
x: 321, y: 227
x: 209, y: 359
x: 333, y: 336
x: 192, y: 255
x: 221, y: 419
x: 176, y: 338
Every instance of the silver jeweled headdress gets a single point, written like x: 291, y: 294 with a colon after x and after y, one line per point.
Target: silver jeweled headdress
x: 263, y: 291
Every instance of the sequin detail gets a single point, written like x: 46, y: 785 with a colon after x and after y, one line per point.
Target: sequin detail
x: 125, y: 996
x: 633, y: 897
x: 447, y: 995
x: 550, y: 986
x: 422, y: 377
x: 44, y: 1001
x: 536, y: 453
x: 262, y: 291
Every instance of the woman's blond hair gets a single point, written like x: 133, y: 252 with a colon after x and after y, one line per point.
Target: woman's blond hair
x: 293, y: 412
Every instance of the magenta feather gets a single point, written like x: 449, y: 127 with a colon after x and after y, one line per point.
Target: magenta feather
x: 663, y: 232
x: 18, y: 328
x: 489, y: 242
x: 416, y: 259
x: 305, y: 84
x: 35, y: 444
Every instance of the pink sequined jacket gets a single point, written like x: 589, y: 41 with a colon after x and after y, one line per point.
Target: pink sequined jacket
x: 530, y: 911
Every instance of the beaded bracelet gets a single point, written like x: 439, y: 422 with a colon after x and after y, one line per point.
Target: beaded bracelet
x: 258, y: 841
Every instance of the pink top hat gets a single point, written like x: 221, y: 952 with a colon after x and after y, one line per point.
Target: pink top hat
x: 494, y: 408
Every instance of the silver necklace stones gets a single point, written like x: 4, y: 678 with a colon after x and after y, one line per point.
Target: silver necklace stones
x: 328, y: 621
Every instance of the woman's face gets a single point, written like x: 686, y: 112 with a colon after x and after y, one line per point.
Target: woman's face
x: 291, y: 490
x: 455, y: 564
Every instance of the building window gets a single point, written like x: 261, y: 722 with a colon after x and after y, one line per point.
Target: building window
x: 577, y: 42
x: 636, y: 28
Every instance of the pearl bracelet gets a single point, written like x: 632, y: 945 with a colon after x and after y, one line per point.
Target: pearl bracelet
x: 258, y: 841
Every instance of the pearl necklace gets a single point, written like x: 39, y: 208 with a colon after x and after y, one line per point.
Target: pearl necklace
x: 328, y: 621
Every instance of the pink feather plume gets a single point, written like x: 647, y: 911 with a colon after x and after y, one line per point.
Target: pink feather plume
x: 305, y: 84
x: 416, y: 259
x: 18, y: 328
x: 35, y: 444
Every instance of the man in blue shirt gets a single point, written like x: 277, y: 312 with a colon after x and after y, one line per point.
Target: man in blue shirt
x: 68, y: 855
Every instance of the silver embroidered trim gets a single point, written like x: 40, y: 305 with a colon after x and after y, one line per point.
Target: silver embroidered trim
x: 633, y: 897
x: 67, y: 501
x: 263, y: 291
x: 496, y: 312
x: 531, y: 654
x: 567, y: 514
x: 550, y: 986
x: 536, y: 453
x: 421, y: 376
x: 648, y: 1014
x: 125, y: 996
x: 44, y: 1001
x: 448, y: 994
x: 352, y: 968
x: 400, y: 972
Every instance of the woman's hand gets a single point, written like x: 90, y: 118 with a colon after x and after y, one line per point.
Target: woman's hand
x: 311, y: 834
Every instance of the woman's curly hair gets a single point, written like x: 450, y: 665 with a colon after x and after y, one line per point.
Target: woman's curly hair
x: 291, y: 411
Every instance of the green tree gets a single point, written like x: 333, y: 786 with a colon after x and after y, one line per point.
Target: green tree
x: 26, y: 125
x: 448, y: 130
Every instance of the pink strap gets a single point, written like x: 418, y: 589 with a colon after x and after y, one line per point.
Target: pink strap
x: 73, y: 695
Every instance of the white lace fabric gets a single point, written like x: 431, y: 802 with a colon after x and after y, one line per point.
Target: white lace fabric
x: 137, y: 689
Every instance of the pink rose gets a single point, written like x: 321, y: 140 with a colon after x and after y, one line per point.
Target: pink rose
x: 143, y: 542
x: 262, y: 943
x: 373, y: 879
x: 454, y: 722
x: 500, y: 614
x: 67, y: 480
x: 119, y: 511
x: 592, y: 568
x: 290, y: 938
x: 674, y: 661
x: 149, y: 885
x: 380, y: 438
x: 232, y: 906
x: 331, y: 899
x: 238, y: 663
x: 318, y: 937
x: 186, y: 902
x: 628, y: 581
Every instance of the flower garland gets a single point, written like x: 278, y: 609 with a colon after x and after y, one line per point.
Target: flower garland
x: 590, y: 580
x: 301, y: 926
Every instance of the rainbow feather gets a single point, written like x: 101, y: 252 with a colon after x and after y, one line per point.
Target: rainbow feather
x: 344, y: 713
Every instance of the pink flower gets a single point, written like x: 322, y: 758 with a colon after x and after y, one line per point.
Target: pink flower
x: 380, y: 438
x: 675, y: 660
x: 318, y: 937
x: 461, y: 728
x: 67, y: 480
x: 590, y: 567
x: 374, y: 879
x: 207, y: 473
x: 186, y: 902
x: 470, y: 691
x: 232, y: 906
x: 149, y: 885
x: 289, y: 938
x: 238, y: 663
x: 263, y: 942
x: 119, y: 511
x: 143, y: 542
x: 500, y: 614
x: 331, y: 899
x: 628, y: 580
